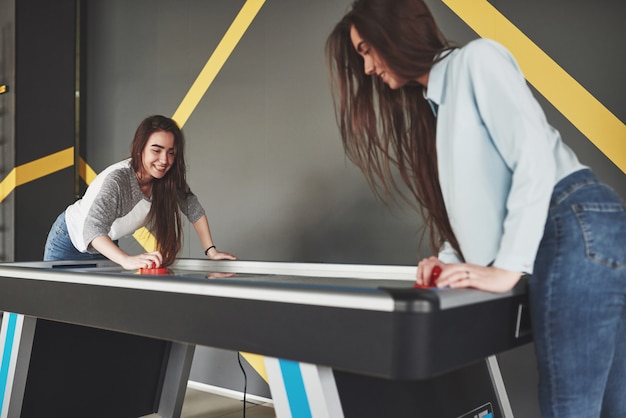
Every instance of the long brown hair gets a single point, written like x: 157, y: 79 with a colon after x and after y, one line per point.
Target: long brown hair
x: 389, y: 133
x: 164, y: 218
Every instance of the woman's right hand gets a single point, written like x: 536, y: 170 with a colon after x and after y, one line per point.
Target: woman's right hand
x: 146, y: 260
x: 110, y: 250
x: 426, y: 271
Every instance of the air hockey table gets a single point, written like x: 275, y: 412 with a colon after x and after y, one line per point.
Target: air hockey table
x: 338, y: 340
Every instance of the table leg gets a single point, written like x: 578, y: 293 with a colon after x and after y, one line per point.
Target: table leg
x: 16, y: 341
x: 301, y: 390
x: 175, y: 380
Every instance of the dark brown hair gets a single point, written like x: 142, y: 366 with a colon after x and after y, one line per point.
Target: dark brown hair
x: 164, y: 218
x: 389, y: 133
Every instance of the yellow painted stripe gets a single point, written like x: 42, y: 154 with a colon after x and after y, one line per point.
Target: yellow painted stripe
x: 258, y: 364
x: 215, y: 63
x: 7, y: 184
x: 85, y: 171
x: 44, y: 166
x: 584, y: 111
x: 145, y: 238
x: 36, y: 169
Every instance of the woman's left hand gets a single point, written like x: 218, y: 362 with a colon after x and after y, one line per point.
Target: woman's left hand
x: 214, y: 254
x: 490, y: 279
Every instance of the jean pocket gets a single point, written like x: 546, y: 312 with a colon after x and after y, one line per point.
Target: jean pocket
x: 604, y: 230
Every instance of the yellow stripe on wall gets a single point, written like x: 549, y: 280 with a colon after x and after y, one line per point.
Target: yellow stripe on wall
x: 145, y: 238
x: 257, y: 362
x: 85, y: 171
x: 580, y: 107
x: 36, y: 169
x: 215, y: 63
x: 7, y: 185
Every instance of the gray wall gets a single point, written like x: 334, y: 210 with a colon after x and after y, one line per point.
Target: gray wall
x: 263, y: 148
x: 263, y: 151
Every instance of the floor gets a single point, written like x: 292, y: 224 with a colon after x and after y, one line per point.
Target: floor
x: 201, y: 404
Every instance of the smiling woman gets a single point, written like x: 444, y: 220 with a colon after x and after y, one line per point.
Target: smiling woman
x: 147, y: 189
x: 157, y: 158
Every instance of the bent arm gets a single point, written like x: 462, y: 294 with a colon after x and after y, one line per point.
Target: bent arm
x: 105, y: 246
x: 204, y: 233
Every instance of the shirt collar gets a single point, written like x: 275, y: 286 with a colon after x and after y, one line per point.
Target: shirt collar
x: 436, y: 78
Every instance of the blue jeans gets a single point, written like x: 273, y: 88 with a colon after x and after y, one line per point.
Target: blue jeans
x: 59, y: 245
x: 578, y: 302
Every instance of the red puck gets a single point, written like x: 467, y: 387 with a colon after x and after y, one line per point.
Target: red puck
x: 160, y: 270
x: 422, y: 286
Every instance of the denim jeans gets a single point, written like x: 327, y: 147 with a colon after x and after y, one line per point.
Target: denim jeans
x: 578, y: 302
x: 59, y: 245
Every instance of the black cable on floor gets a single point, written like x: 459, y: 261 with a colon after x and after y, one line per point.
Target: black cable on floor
x: 245, y: 383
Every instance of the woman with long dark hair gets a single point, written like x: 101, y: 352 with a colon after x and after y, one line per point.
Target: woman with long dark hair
x: 500, y: 192
x: 148, y: 189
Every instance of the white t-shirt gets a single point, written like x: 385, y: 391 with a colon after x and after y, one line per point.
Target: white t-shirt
x: 114, y: 205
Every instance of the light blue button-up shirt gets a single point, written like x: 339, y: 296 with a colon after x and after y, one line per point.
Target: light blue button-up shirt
x: 498, y: 157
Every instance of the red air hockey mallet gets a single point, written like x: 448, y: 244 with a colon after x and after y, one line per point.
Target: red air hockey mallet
x: 154, y: 271
x: 434, y: 275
